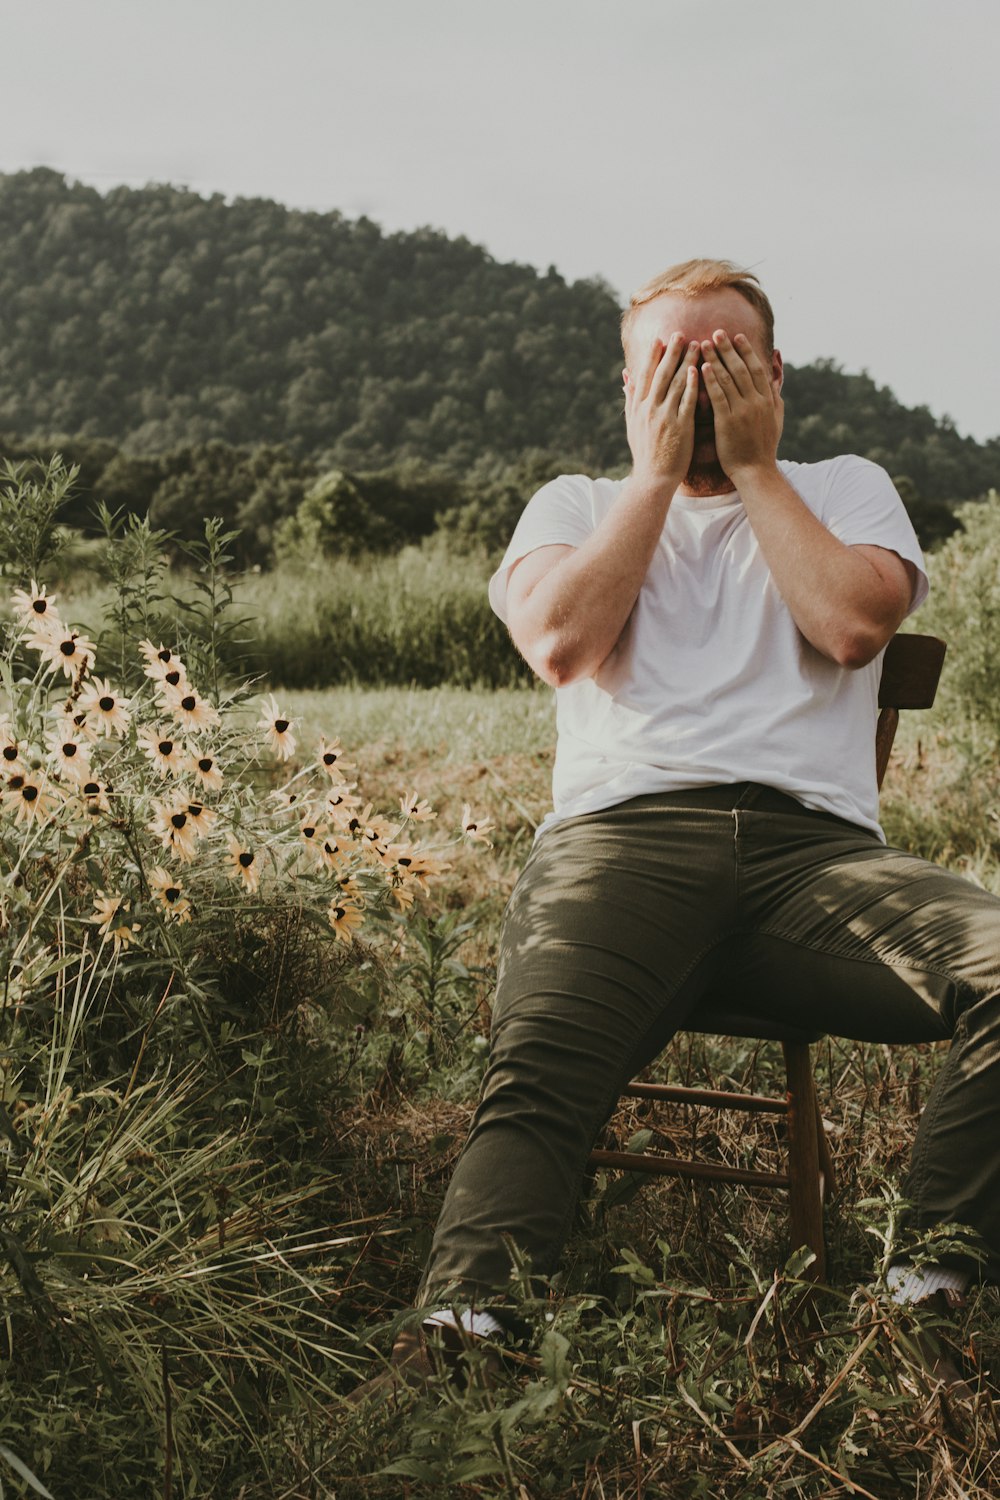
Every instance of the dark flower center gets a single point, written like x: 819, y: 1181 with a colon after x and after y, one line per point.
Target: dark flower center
x: 178, y: 819
x: 164, y: 656
x: 308, y: 833
x: 69, y: 749
x: 16, y: 783
x: 29, y: 793
x: 280, y: 725
x: 165, y: 747
x: 173, y: 678
x: 329, y: 759
x: 68, y: 648
x: 105, y: 704
x: 91, y: 788
x: 246, y: 859
x: 338, y: 913
x: 10, y: 752
x: 195, y: 809
x: 205, y: 764
x: 172, y: 893
x: 188, y: 703
x: 39, y: 606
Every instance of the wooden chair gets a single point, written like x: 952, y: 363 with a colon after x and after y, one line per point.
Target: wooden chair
x: 911, y: 668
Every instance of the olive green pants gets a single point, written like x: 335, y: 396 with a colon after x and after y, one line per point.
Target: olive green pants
x: 623, y: 921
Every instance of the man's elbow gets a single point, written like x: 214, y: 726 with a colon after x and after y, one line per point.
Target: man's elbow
x: 556, y: 660
x: 855, y: 648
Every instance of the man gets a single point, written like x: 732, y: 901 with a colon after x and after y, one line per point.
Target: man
x: 713, y: 626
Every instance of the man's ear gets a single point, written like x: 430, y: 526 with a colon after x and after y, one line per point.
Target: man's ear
x: 777, y: 369
x: 626, y: 378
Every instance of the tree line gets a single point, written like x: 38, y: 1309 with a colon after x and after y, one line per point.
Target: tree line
x: 195, y: 354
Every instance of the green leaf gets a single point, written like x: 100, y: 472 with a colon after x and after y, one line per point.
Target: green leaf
x: 20, y: 1467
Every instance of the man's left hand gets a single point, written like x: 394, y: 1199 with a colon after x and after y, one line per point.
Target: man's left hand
x: 746, y: 402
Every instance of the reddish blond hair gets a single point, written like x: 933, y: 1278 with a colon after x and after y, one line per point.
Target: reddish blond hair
x: 692, y: 278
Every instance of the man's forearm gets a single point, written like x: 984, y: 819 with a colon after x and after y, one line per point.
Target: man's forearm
x: 573, y: 616
x: 835, y: 593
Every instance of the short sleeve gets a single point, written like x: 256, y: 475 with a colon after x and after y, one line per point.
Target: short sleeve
x: 561, y: 513
x: 862, y: 506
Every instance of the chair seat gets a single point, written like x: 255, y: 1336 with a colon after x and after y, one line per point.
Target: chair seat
x: 712, y: 1018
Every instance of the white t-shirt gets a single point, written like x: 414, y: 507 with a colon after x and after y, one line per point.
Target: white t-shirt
x: 711, y: 681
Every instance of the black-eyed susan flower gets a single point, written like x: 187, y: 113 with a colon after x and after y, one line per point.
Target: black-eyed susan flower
x: 106, y: 709
x: 162, y: 662
x: 35, y: 608
x: 341, y: 803
x: 312, y: 833
x: 173, y: 826
x: 94, y: 795
x: 10, y: 750
x: 242, y: 863
x: 165, y: 752
x: 367, y: 827
x: 345, y: 918
x: 107, y: 909
x: 417, y: 809
x: 168, y: 890
x: 189, y: 709
x: 69, y: 649
x: 72, y: 719
x: 288, y: 797
x: 201, y: 817
x: 30, y: 796
x: 205, y: 768
x: 330, y: 756
x: 475, y: 829
x: 69, y: 754
x: 421, y: 866
x: 278, y: 728
x: 332, y: 852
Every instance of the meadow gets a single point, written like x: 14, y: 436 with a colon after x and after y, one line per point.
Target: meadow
x: 227, y: 1137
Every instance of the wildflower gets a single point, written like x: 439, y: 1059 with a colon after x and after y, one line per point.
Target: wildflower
x: 205, y: 768
x: 420, y: 866
x: 174, y: 828
x: 344, y: 917
x: 277, y: 727
x: 416, y: 809
x: 10, y: 754
x: 161, y: 662
x: 166, y: 753
x: 333, y: 855
x: 106, y: 909
x: 69, y: 753
x: 35, y: 608
x: 312, y: 833
x: 71, y: 719
x: 105, y: 708
x: 31, y: 796
x: 170, y: 894
x: 243, y: 864
x: 95, y: 797
x: 64, y: 648
x: 174, y: 680
x: 189, y: 709
x: 330, y: 755
x: 341, y: 802
x: 286, y: 799
x: 475, y: 829
x: 201, y: 817
x: 363, y: 826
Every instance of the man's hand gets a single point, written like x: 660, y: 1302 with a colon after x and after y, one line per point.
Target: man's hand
x: 659, y: 411
x: 746, y: 402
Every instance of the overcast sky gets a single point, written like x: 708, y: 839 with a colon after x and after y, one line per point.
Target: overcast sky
x: 847, y: 152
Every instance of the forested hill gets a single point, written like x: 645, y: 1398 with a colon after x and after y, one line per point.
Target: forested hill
x: 159, y: 319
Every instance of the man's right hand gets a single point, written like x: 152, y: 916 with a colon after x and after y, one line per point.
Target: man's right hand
x: 659, y: 411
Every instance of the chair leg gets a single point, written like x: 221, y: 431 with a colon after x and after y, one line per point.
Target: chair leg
x: 804, y: 1157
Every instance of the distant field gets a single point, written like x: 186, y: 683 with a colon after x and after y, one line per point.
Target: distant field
x: 454, y: 724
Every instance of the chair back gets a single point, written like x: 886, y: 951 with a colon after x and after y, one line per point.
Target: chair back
x: 911, y: 670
